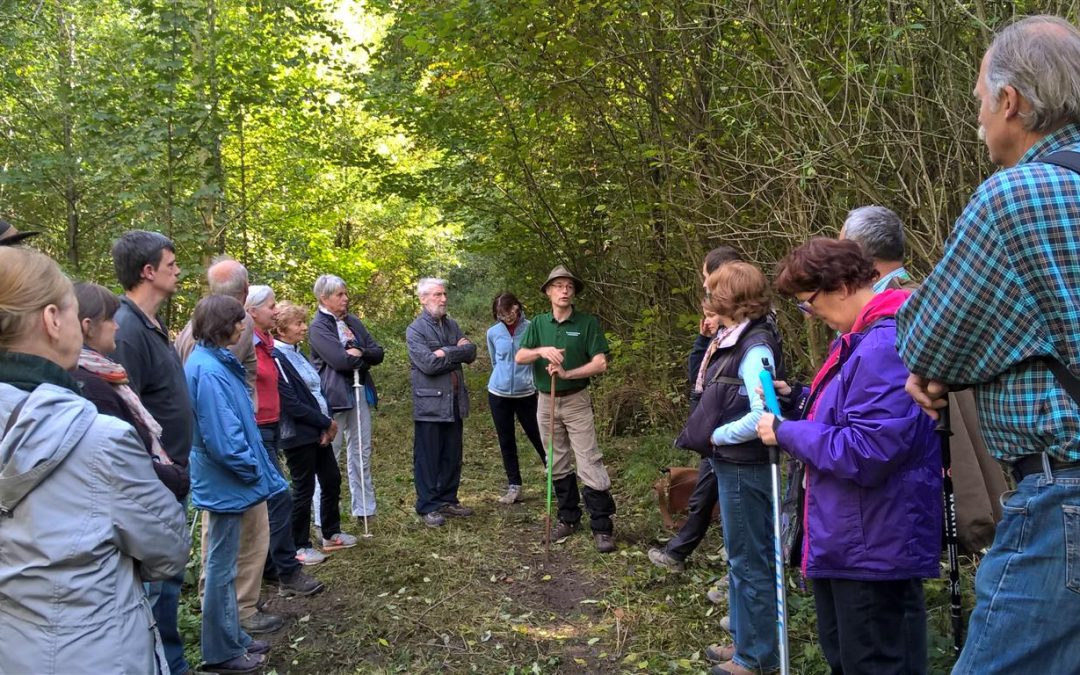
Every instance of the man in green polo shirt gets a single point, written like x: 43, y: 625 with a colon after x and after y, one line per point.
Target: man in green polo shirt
x: 570, y: 346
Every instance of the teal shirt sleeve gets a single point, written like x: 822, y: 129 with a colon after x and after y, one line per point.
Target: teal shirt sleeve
x: 745, y: 428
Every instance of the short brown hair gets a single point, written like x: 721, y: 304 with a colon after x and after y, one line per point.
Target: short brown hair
x: 825, y: 264
x: 215, y: 318
x: 503, y: 303
x: 721, y: 255
x: 288, y: 312
x: 739, y: 291
x: 96, y: 302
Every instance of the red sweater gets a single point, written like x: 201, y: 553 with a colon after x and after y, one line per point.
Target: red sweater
x: 266, y: 381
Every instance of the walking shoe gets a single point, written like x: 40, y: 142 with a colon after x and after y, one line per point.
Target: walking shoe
x: 605, y: 543
x: 258, y: 647
x: 562, y: 531
x: 663, y: 559
x: 309, y: 556
x: 261, y: 622
x: 433, y: 519
x: 299, y: 583
x: 245, y: 663
x: 716, y: 596
x: 720, y: 653
x: 725, y: 623
x: 338, y: 541
x: 513, y: 494
x: 455, y: 510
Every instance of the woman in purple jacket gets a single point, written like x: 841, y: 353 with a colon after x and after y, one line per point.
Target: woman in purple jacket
x: 873, y: 508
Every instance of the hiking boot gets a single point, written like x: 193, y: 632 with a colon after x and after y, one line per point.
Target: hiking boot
x: 433, y: 519
x: 720, y: 653
x: 455, y: 510
x: 258, y: 647
x: 562, y: 531
x: 663, y: 559
x: 605, y: 543
x: 245, y: 663
x: 338, y: 542
x: 261, y: 622
x: 309, y: 556
x: 725, y: 623
x: 299, y: 583
x: 513, y: 494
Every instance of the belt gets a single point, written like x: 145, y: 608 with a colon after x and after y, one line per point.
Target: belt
x: 560, y: 394
x: 1029, y: 464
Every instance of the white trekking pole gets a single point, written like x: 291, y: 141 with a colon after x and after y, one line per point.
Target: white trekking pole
x: 358, y: 391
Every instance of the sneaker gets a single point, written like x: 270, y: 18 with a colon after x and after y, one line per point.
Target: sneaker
x: 433, y: 519
x: 605, y: 543
x: 258, y: 647
x: 720, y: 653
x: 338, y: 541
x: 562, y: 531
x: 513, y: 494
x: 245, y: 663
x: 455, y: 510
x: 261, y: 622
x: 725, y: 623
x: 716, y: 596
x: 309, y: 556
x: 299, y: 583
x: 663, y: 559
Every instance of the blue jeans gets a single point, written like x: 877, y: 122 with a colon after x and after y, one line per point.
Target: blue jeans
x: 745, y: 495
x: 164, y: 598
x: 222, y: 637
x: 1027, y: 589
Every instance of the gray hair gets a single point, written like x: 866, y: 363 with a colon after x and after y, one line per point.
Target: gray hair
x: 1040, y: 57
x: 328, y: 284
x: 227, y: 277
x: 425, y: 285
x: 258, y: 296
x: 878, y: 230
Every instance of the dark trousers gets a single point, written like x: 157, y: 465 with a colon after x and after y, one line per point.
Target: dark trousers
x: 872, y: 627
x: 702, y: 502
x: 599, y: 503
x: 281, y: 559
x: 436, y: 464
x: 306, y: 462
x: 503, y: 411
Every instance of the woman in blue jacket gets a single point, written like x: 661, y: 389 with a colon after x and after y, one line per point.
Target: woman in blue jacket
x: 510, y: 389
x: 873, y: 469
x: 230, y: 473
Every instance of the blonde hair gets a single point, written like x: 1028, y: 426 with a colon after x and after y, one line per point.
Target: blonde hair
x: 287, y: 313
x: 29, y: 282
x: 738, y: 290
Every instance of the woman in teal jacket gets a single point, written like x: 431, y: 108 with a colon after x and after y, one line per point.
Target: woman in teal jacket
x: 230, y: 473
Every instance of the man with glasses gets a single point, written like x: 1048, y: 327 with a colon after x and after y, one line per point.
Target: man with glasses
x: 568, y: 345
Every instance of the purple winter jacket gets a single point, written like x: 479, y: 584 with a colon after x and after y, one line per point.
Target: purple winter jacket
x: 873, y: 504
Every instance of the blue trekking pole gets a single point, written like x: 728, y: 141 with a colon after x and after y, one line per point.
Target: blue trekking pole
x: 773, y: 404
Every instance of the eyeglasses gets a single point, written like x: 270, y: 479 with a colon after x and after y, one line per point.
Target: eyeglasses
x: 807, y: 305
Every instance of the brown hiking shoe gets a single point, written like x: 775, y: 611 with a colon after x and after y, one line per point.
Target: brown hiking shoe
x: 605, y: 543
x: 561, y: 531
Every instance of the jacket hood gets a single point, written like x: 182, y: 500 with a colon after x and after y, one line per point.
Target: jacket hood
x: 50, y: 424
x: 883, y: 305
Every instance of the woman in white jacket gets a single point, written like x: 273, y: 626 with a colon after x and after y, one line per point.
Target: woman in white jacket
x: 83, y: 518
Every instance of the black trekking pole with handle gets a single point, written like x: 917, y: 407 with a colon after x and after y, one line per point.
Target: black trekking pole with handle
x: 955, y: 610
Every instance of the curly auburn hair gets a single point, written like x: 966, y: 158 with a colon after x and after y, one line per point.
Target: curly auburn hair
x: 738, y: 290
x: 824, y: 264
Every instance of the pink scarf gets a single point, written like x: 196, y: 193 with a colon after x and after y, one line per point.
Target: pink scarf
x: 724, y: 338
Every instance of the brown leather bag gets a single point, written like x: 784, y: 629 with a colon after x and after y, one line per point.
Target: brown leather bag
x: 673, y: 491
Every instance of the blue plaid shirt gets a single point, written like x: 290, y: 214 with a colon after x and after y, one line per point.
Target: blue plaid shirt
x: 1007, y: 292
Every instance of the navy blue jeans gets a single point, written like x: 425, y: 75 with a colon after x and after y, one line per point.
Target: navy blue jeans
x: 281, y: 559
x: 164, y: 597
x: 1027, y: 589
x: 503, y: 411
x: 745, y: 494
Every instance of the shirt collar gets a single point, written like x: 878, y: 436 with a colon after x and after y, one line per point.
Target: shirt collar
x: 1063, y: 137
x: 898, y: 273
x: 569, y: 319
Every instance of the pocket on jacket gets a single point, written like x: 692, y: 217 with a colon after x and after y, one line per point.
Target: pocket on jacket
x: 428, y: 402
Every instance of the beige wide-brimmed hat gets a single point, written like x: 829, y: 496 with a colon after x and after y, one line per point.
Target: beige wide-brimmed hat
x: 561, y: 271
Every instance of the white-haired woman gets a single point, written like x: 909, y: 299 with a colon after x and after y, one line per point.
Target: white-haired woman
x: 84, y: 518
x: 343, y: 351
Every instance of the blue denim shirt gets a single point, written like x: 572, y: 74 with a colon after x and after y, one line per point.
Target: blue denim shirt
x: 508, y: 379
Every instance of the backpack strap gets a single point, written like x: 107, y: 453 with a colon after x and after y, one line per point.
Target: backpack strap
x: 14, y: 417
x: 1066, y: 159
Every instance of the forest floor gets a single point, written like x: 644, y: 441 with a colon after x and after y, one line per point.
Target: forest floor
x: 476, y: 596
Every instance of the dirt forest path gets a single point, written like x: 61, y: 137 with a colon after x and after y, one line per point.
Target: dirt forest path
x: 475, y: 595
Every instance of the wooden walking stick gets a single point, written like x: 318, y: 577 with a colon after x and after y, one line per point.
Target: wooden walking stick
x: 550, y: 484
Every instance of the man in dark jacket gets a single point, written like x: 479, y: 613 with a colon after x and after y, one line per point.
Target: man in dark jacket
x: 343, y: 350
x: 437, y: 348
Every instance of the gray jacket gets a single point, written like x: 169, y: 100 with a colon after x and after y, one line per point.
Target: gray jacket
x: 432, y: 377
x: 87, y: 521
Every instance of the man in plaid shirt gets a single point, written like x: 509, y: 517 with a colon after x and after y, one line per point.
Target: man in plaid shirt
x: 999, y: 307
